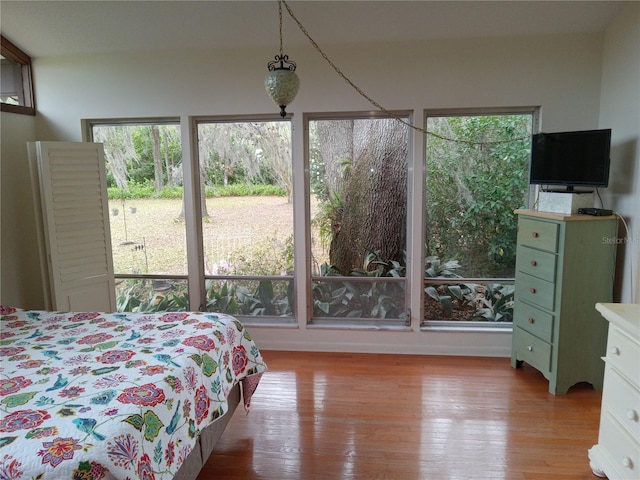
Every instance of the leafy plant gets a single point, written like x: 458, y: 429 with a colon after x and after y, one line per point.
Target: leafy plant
x: 445, y: 294
x: 141, y: 296
x: 354, y: 299
x: 496, y: 303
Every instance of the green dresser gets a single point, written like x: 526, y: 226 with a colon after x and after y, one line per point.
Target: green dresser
x: 565, y: 264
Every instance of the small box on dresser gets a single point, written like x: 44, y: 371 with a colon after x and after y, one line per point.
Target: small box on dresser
x: 617, y: 454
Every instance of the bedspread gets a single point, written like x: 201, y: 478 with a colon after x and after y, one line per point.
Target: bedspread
x: 92, y: 396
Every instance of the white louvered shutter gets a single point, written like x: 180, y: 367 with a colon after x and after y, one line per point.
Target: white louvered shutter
x: 75, y: 215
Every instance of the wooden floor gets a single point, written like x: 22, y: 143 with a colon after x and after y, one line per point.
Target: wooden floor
x: 357, y: 416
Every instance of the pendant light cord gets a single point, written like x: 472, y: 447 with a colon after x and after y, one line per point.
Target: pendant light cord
x: 280, y: 15
x: 368, y: 98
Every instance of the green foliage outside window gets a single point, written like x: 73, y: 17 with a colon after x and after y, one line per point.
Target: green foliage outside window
x: 473, y: 186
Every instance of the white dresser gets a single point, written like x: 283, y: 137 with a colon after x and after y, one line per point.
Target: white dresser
x: 617, y: 454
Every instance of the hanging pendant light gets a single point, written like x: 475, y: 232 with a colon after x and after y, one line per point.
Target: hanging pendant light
x: 281, y: 83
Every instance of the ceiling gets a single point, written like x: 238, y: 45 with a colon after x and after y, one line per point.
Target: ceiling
x: 79, y: 27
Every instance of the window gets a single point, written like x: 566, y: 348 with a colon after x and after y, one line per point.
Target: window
x: 247, y: 221
x: 238, y: 255
x: 16, y: 93
x: 244, y: 236
x: 358, y: 207
x: 146, y: 205
x: 477, y: 166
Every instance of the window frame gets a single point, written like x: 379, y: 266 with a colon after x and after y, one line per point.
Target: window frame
x: 457, y: 325
x: 14, y: 54
x: 251, y: 320
x: 403, y: 323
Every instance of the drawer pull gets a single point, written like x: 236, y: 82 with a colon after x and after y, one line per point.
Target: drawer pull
x: 532, y: 290
x: 632, y: 415
x: 531, y: 320
x: 530, y: 348
x: 534, y: 263
x: 627, y: 462
x: 615, y: 351
x: 535, y: 234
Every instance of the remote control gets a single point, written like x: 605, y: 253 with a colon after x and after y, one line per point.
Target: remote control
x: 598, y: 212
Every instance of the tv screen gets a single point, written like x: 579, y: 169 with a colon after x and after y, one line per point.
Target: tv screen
x: 571, y: 159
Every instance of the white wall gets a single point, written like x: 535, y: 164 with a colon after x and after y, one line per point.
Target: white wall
x: 620, y: 111
x: 20, y: 281
x: 560, y: 73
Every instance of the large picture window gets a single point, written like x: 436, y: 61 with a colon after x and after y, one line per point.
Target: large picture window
x: 146, y: 204
x: 239, y: 251
x: 247, y: 220
x: 358, y: 202
x: 246, y: 227
x: 477, y: 168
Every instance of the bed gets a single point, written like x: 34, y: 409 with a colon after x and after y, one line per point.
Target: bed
x: 97, y: 396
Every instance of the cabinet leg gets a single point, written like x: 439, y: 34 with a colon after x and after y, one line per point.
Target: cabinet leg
x: 519, y: 363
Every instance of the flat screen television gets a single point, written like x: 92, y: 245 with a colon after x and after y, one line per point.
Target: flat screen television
x: 571, y: 159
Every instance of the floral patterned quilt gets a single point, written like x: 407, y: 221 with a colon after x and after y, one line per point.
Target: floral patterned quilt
x: 91, y: 396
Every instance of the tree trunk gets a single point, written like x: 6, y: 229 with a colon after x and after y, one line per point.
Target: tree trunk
x: 336, y: 148
x: 157, y: 159
x: 167, y: 164
x: 374, y: 214
x: 203, y: 201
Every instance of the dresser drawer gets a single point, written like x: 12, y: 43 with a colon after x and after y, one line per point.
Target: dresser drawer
x: 538, y: 234
x: 533, y: 320
x: 532, y: 350
x: 622, y: 400
x: 623, y: 353
x: 537, y: 263
x: 535, y: 290
x: 623, y: 450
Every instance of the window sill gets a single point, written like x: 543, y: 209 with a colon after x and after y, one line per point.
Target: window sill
x: 444, y: 326
x: 367, y: 327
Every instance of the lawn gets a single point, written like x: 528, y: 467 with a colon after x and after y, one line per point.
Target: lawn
x: 152, y: 238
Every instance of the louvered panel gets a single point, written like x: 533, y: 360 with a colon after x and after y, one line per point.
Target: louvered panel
x: 78, y: 268
x: 92, y: 216
x: 80, y: 243
x: 69, y: 192
x: 74, y: 240
x: 71, y: 196
x: 75, y: 258
x: 76, y: 273
x: 71, y: 239
x: 88, y: 222
x: 73, y: 182
x: 74, y: 176
x: 78, y: 246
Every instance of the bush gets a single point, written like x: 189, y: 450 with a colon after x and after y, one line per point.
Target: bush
x: 146, y: 190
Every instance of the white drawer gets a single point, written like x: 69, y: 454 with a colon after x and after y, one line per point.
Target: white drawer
x: 622, y: 400
x: 623, y: 451
x: 624, y: 354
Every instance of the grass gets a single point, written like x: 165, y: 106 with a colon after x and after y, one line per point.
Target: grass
x: 153, y: 239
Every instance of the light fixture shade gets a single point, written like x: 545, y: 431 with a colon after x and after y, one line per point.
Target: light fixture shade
x: 282, y: 86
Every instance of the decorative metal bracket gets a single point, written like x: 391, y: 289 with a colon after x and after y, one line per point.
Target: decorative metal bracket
x: 282, y: 60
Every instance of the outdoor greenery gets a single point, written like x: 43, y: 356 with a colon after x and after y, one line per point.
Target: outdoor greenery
x: 476, y: 176
x: 252, y: 298
x: 473, y: 186
x: 147, y: 190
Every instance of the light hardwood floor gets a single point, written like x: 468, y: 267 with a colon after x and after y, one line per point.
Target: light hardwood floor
x: 361, y: 416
